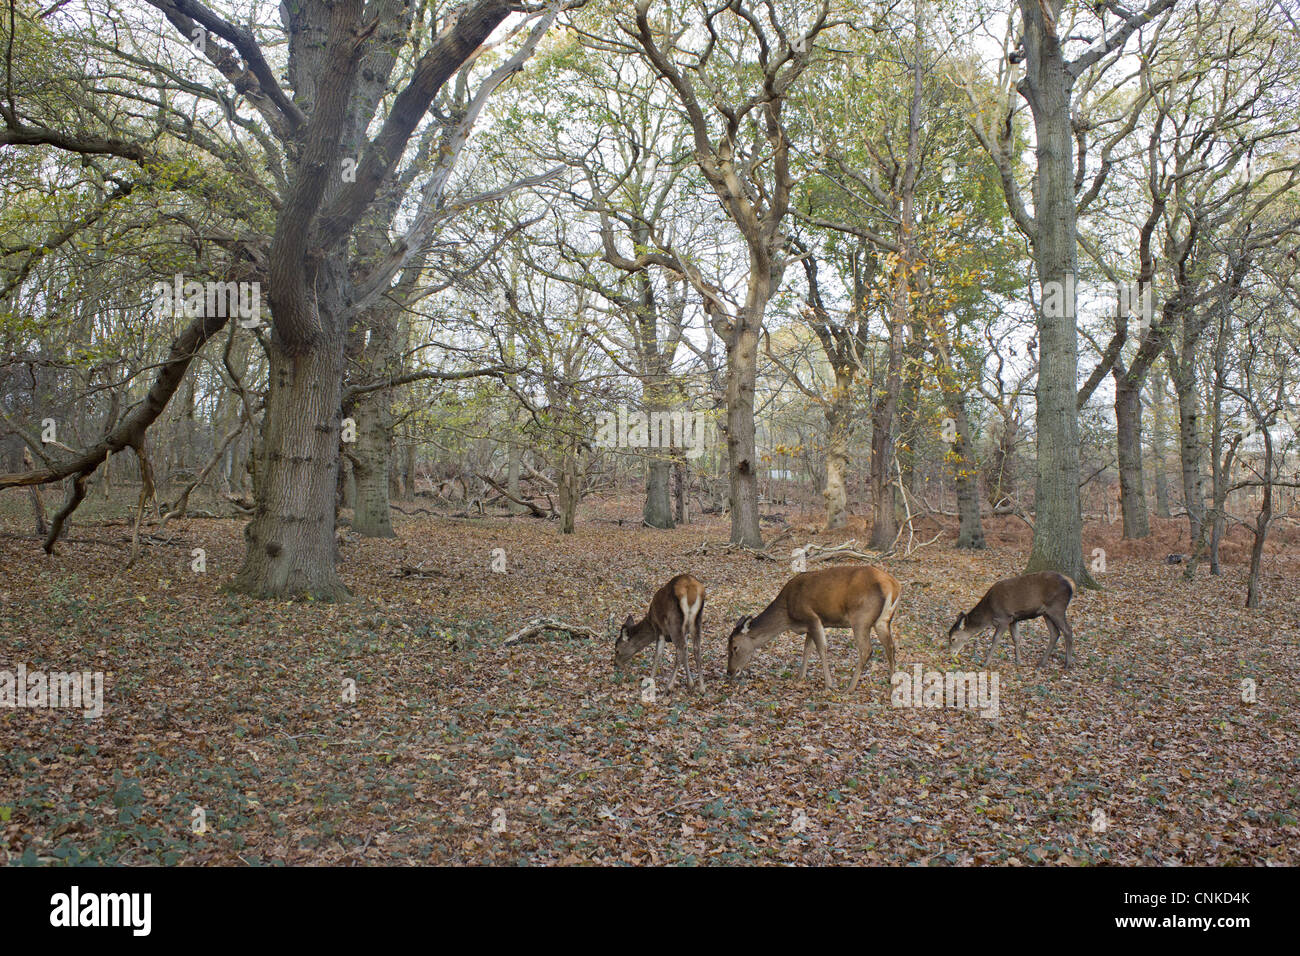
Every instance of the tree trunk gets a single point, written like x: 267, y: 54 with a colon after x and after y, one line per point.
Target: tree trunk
x: 999, y: 473
x: 1189, y: 446
x: 570, y: 490
x: 1128, y: 419
x: 347, y: 490
x: 512, y: 474
x: 1058, y: 522
x: 1261, y: 528
x: 884, y: 516
x: 290, y: 545
x: 838, y: 420
x: 658, y: 511
x: 372, y: 515
x: 970, y: 532
x: 1158, y: 444
x: 742, y: 358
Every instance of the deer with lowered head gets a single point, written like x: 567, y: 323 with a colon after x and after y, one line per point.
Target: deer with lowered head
x: 1045, y: 594
x: 863, y: 598
x: 677, y: 609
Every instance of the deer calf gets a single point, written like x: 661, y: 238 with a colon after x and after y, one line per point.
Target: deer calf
x: 863, y: 598
x: 677, y: 609
x: 1045, y: 594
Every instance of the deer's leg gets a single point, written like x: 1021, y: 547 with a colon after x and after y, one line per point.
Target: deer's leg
x: 680, y: 641
x: 807, y: 648
x: 699, y: 663
x: 862, y: 637
x: 885, y: 630
x: 1051, y: 644
x: 1015, y: 642
x: 997, y: 636
x: 659, y: 649
x: 677, y: 663
x: 1069, y: 641
x: 818, y: 634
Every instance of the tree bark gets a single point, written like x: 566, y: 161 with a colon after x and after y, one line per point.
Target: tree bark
x: 658, y: 510
x: 290, y: 544
x: 1158, y: 444
x: 372, y: 515
x: 838, y: 422
x: 970, y: 532
x: 742, y: 474
x: 1189, y: 448
x: 1048, y: 84
x: 1128, y: 419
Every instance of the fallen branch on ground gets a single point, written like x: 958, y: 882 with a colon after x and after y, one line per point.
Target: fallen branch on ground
x: 702, y: 549
x: 416, y: 571
x: 533, y: 509
x: 816, y: 552
x: 537, y: 628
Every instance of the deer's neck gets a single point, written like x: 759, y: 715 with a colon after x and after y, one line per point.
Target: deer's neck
x: 642, y: 632
x: 981, y: 615
x: 771, y: 623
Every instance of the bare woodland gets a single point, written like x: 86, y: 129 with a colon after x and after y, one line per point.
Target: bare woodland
x: 412, y: 347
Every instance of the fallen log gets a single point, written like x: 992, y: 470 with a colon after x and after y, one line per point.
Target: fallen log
x: 535, y: 511
x: 538, y: 627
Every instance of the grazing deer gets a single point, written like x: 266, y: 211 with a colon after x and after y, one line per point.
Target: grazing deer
x: 863, y: 598
x: 1045, y: 594
x: 677, y: 609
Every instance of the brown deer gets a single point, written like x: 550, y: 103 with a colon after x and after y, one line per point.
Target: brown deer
x: 677, y: 609
x: 861, y: 597
x: 1045, y: 594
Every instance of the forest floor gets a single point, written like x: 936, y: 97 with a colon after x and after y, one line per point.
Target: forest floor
x: 1145, y: 752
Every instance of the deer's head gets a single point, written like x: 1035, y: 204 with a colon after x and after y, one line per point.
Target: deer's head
x: 625, y: 644
x: 959, y: 635
x: 740, y: 646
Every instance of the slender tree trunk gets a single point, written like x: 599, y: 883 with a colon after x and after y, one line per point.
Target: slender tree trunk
x: 999, y: 479
x: 970, y: 532
x: 1158, y: 443
x: 38, y: 502
x: 1128, y: 419
x: 570, y: 490
x: 681, y: 489
x: 1262, y: 521
x: 1189, y: 448
x: 512, y: 474
x: 838, y: 421
x: 742, y: 473
x: 884, y: 514
x: 909, y: 404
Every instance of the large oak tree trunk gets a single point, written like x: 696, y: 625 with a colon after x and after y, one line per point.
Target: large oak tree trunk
x: 1058, y: 522
x: 290, y: 540
x: 658, y: 511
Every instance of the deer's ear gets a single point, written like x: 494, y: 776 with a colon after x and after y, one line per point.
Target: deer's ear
x: 744, y: 624
x: 961, y: 621
x: 631, y: 619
